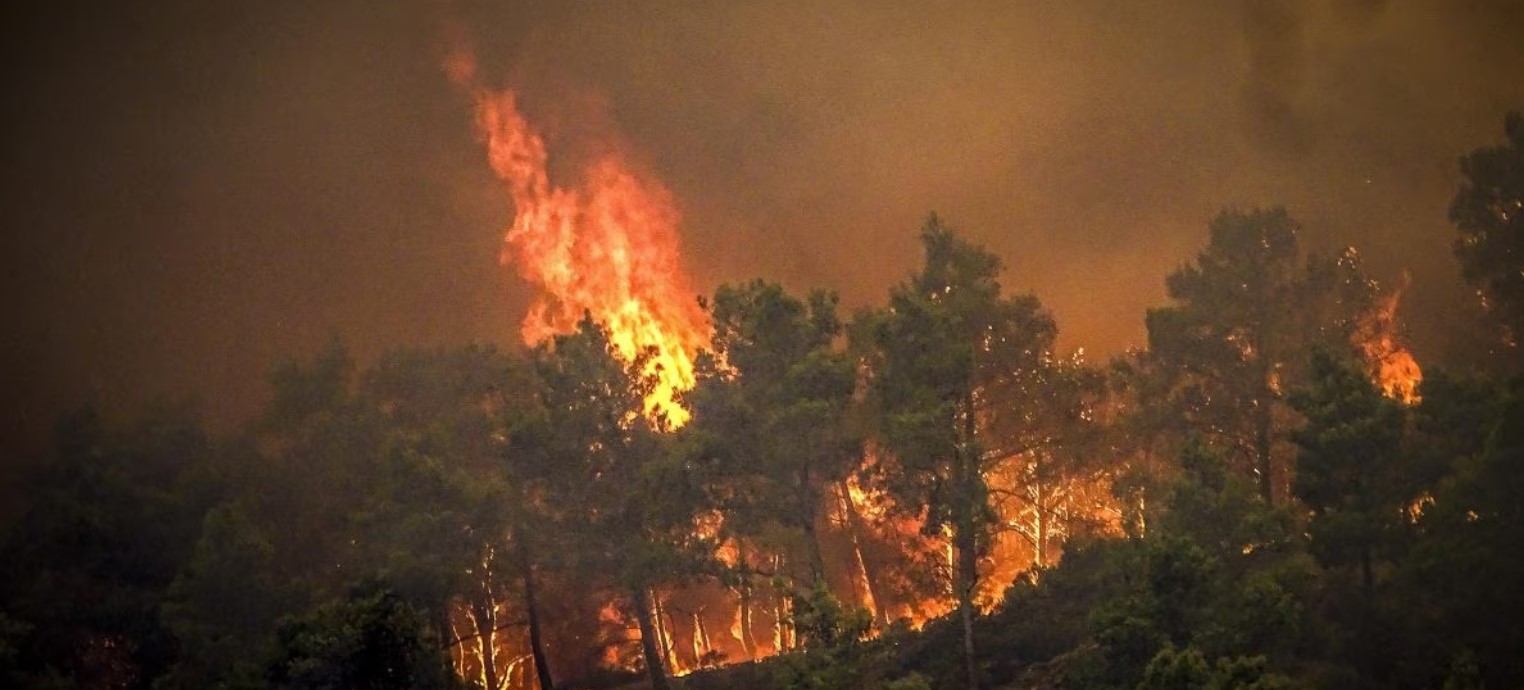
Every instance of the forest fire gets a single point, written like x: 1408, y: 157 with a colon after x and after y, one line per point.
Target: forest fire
x: 606, y: 246
x: 500, y: 345
x: 1378, y: 338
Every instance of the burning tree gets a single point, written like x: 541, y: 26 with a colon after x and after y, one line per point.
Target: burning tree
x: 1052, y: 475
x: 1244, y: 319
x: 626, y: 504
x: 948, y: 341
x: 773, y: 401
x: 769, y: 421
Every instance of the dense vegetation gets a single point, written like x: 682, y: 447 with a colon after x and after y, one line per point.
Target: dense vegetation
x: 1258, y: 499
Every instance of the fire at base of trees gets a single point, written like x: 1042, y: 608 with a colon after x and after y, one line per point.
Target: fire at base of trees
x: 927, y: 494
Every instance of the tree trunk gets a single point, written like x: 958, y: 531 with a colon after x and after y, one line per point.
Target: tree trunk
x: 484, y: 617
x: 1040, y: 533
x: 701, y: 642
x: 458, y: 654
x: 648, y: 642
x: 532, y: 612
x: 444, y: 631
x: 965, y: 534
x: 743, y: 605
x: 809, y: 510
x: 874, y: 602
x: 964, y: 581
x: 1264, y: 424
x: 664, y: 636
x: 748, y: 640
x: 812, y: 549
x: 783, y: 638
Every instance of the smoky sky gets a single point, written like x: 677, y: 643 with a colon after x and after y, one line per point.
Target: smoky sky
x: 195, y: 190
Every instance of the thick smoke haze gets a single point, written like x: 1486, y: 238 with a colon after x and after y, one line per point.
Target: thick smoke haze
x: 192, y: 192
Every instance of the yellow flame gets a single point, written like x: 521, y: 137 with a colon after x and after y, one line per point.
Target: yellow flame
x: 1390, y: 363
x: 607, y: 245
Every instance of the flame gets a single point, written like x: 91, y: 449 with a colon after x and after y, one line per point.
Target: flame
x: 1377, y: 336
x: 606, y: 245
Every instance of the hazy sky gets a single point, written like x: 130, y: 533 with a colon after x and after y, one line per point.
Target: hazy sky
x: 192, y: 192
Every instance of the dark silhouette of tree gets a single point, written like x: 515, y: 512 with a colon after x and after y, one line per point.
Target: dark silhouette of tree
x: 113, y: 518
x: 625, y: 500
x: 454, y: 504
x: 1350, y: 465
x: 1488, y: 210
x: 770, y: 410
x: 371, y: 640
x: 1471, y: 551
x: 1244, y: 316
x: 223, y: 604
x: 947, y: 342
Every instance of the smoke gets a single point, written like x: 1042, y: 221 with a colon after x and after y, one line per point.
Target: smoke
x: 1279, y: 38
x: 194, y: 191
x: 1274, y: 38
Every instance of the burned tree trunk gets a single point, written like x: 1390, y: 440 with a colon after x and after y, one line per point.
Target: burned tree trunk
x: 967, y: 507
x: 484, y: 617
x: 648, y: 639
x: 808, y: 509
x: 532, y: 612
x: 743, y: 605
x: 965, y: 579
x: 856, y: 529
x: 1263, y: 449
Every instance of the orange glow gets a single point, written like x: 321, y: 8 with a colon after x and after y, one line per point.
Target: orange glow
x: 1391, y: 365
x: 605, y: 245
x: 603, y: 241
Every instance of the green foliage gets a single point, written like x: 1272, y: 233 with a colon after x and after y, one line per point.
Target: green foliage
x: 1217, y: 508
x: 1350, y: 466
x: 1176, y: 670
x: 850, y: 664
x: 1218, y: 574
x: 372, y: 640
x: 1187, y: 669
x: 1451, y: 425
x: 627, y: 498
x: 155, y: 556
x: 834, y: 656
x: 1472, y: 541
x: 626, y: 502
x: 947, y: 338
x: 223, y: 605
x: 914, y: 681
x: 1245, y: 314
x: 948, y: 344
x: 1488, y: 210
x: 112, y: 520
x: 823, y: 622
x: 769, y: 411
x: 305, y: 393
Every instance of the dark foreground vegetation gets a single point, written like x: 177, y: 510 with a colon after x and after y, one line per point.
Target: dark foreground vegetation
x: 1285, y: 505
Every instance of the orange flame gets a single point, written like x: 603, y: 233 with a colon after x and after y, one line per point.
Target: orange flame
x: 1391, y: 364
x: 607, y: 246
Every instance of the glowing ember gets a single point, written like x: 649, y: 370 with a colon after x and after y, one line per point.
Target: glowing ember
x: 606, y: 246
